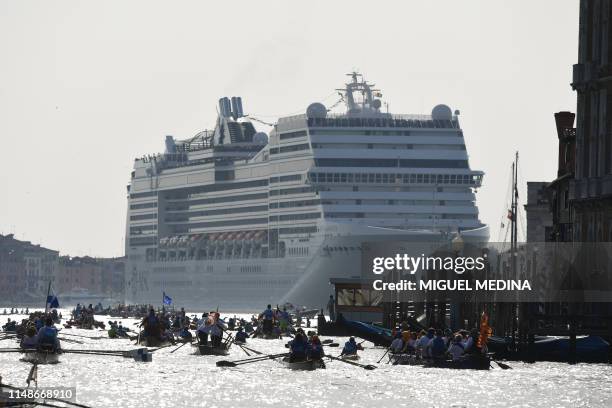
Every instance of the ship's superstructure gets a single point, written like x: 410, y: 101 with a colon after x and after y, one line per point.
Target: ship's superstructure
x: 238, y: 218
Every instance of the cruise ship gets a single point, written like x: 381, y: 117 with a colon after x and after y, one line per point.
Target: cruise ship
x: 237, y: 218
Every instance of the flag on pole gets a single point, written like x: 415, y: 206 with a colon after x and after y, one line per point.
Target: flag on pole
x: 52, y: 302
x: 167, y: 299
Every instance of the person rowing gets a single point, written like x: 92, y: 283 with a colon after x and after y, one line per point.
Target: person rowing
x: 351, y: 347
x: 241, y: 336
x: 438, y: 346
x: 30, y: 339
x: 268, y: 320
x: 456, y: 348
x: 151, y: 324
x: 298, y: 347
x: 203, y: 330
x: 315, y: 349
x: 217, y: 329
x: 284, y: 319
x: 47, y: 336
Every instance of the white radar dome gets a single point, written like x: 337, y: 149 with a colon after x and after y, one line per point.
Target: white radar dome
x: 441, y: 112
x: 260, y: 138
x: 316, y: 110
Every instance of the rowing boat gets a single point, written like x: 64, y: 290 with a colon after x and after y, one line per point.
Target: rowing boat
x: 153, y: 342
x: 350, y: 357
x: 307, y: 365
x: 470, y: 362
x: 40, y: 357
x: 405, y: 359
x: 208, y: 350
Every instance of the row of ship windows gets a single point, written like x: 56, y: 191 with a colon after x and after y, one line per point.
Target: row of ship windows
x: 386, y: 178
x: 290, y: 148
x: 300, y: 251
x: 185, y: 217
x: 143, y: 217
x: 399, y: 215
x: 216, y: 200
x: 342, y: 132
x: 143, y: 205
x: 381, y: 122
x: 386, y: 146
x: 394, y: 163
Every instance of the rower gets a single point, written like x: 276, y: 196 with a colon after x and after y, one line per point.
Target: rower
x: 47, y: 336
x: 268, y: 319
x: 351, y: 347
x: 438, y: 346
x: 241, y: 336
x: 203, y: 330
x: 298, y: 347
x: 315, y: 349
x: 151, y: 325
x: 397, y: 344
x: 284, y: 320
x: 456, y: 348
x: 216, y: 330
x: 29, y: 340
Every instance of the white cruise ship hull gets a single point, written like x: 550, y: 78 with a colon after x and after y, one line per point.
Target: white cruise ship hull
x: 247, y: 284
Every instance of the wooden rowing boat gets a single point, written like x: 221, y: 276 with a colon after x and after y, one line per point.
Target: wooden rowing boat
x: 40, y: 357
x: 153, y: 342
x: 470, y: 362
x: 208, y: 350
x: 307, y: 365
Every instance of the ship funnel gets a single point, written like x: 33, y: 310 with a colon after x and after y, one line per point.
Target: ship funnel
x: 170, y: 145
x: 237, y: 107
x: 225, y: 109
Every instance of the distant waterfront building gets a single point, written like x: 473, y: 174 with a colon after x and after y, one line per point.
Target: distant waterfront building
x: 591, y: 189
x: 559, y: 190
x: 93, y: 276
x: 25, y: 269
x: 539, y: 217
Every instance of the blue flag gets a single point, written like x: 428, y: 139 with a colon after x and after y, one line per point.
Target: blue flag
x: 52, y: 302
x: 167, y: 299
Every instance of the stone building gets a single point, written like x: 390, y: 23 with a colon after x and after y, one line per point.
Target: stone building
x: 25, y: 270
x: 537, y: 209
x: 591, y: 189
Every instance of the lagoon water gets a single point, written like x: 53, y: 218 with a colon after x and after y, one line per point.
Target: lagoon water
x: 183, y: 379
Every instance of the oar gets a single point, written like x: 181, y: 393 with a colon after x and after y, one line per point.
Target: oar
x: 251, y: 350
x: 247, y: 353
x: 367, y: 367
x: 503, y: 366
x: 224, y: 363
x: 383, y: 356
x: 71, y: 340
x: 179, y: 347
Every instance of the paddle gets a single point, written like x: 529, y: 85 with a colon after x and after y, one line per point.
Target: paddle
x: 243, y: 349
x: 367, y: 367
x: 251, y: 350
x: 179, y: 347
x: 383, y: 356
x: 503, y: 366
x: 225, y: 363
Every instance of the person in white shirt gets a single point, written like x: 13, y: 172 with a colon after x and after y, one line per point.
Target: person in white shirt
x: 424, y: 343
x: 397, y: 344
x: 456, y: 348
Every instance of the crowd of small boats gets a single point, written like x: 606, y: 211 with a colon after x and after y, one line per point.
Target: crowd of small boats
x: 210, y: 335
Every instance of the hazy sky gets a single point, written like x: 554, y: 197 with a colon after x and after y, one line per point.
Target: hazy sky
x: 85, y: 87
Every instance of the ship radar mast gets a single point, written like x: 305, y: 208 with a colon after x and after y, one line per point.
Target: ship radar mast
x: 359, y: 96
